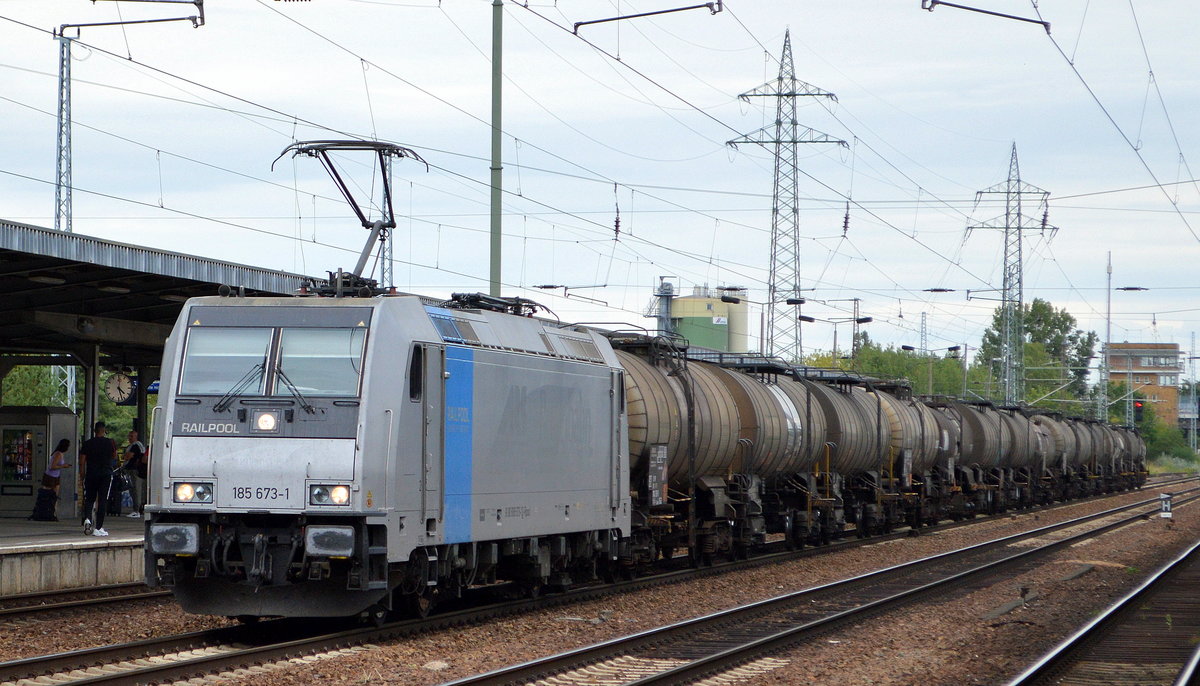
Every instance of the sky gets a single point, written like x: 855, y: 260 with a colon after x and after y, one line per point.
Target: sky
x: 176, y: 129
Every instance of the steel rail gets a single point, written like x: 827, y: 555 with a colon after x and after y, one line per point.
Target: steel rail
x: 37, y: 608
x: 1139, y: 603
x: 1190, y: 674
x: 741, y: 654
x: 621, y: 646
x: 58, y: 593
x: 60, y: 663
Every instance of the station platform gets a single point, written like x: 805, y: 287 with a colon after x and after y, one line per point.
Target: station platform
x: 50, y: 556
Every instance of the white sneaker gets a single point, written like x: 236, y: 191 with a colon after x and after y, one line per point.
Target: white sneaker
x: 133, y: 515
x: 87, y: 527
x: 99, y: 532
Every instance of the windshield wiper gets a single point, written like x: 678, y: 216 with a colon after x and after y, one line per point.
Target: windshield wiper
x: 237, y: 389
x: 307, y: 406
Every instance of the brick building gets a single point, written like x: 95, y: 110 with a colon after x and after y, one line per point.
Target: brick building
x: 1153, y: 369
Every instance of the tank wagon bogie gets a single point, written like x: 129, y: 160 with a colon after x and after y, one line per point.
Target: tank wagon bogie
x: 340, y: 456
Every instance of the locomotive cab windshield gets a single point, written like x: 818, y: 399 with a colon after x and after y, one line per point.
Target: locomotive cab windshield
x: 233, y: 361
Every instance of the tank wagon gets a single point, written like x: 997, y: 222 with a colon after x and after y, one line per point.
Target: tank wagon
x: 358, y: 455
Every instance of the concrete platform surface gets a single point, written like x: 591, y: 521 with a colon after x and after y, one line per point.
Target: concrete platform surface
x: 47, y: 556
x: 20, y: 533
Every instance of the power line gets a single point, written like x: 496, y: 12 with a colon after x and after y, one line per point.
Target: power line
x: 1108, y: 115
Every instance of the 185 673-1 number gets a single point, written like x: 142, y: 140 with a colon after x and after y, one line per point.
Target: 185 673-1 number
x: 260, y: 493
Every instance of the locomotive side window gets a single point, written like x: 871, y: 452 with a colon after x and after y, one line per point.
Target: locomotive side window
x: 416, y: 373
x: 321, y: 361
x: 219, y: 358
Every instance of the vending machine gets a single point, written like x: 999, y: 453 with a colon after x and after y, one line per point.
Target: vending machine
x: 27, y: 437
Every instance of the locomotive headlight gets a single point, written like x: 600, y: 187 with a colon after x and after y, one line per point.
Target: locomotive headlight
x: 193, y: 492
x: 328, y: 495
x: 266, y: 420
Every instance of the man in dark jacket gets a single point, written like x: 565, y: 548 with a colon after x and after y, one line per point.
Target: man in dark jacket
x: 135, y: 467
x: 97, y: 455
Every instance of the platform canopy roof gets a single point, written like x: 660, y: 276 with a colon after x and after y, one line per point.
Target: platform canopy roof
x: 63, y: 293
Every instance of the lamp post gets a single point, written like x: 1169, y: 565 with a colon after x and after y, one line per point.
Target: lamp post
x: 929, y: 366
x: 1106, y: 359
x: 845, y: 320
x: 966, y: 352
x: 1129, y: 420
x: 853, y: 336
x: 733, y: 300
x: 1193, y: 409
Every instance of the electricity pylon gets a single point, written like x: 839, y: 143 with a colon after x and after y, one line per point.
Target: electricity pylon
x: 785, y: 134
x: 1014, y: 223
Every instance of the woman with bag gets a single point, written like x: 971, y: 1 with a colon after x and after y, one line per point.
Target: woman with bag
x: 52, y: 478
x: 47, y: 497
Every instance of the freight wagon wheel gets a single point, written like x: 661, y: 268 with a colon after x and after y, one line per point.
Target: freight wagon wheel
x: 789, y: 541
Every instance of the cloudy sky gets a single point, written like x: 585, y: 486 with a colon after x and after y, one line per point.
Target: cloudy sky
x: 176, y: 128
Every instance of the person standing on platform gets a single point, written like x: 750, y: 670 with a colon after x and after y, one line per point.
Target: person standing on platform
x: 97, y: 455
x: 58, y: 462
x: 135, y: 467
x: 46, y: 502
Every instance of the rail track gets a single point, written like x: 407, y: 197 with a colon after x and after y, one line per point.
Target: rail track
x: 195, y: 654
x: 1148, y: 637
x: 27, y: 604
x: 692, y: 650
x: 16, y: 607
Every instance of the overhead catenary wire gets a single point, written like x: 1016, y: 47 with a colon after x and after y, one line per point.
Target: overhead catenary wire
x: 219, y: 91
x: 719, y: 215
x: 1124, y: 136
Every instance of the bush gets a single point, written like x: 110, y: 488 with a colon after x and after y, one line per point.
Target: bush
x: 1172, y: 464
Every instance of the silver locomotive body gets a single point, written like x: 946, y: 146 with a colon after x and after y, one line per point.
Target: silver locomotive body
x: 324, y: 457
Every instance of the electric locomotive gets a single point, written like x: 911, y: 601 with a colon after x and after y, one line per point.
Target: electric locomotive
x: 334, y: 456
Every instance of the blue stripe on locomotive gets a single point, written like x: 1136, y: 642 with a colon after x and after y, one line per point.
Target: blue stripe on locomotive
x: 459, y: 446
